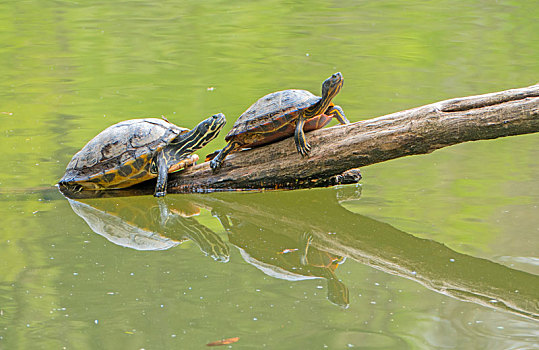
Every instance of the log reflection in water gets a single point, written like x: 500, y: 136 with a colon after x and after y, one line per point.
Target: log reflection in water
x: 340, y: 232
x: 262, y: 225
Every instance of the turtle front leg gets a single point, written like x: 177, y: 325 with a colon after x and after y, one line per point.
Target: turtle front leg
x: 337, y: 112
x: 299, y: 137
x: 162, y: 176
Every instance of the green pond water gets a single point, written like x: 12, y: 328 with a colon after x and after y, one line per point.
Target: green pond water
x: 427, y: 252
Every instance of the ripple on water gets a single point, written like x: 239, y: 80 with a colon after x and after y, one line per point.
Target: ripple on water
x: 499, y: 329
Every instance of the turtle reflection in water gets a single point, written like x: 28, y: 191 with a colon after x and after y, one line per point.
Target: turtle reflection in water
x: 148, y: 227
x: 285, y: 256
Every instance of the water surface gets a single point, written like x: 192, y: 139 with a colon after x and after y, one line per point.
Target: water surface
x: 432, y: 251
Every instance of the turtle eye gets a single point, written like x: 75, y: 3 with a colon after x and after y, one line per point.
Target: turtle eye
x: 204, y: 127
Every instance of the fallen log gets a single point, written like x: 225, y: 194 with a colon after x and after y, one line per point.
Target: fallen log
x: 337, y: 150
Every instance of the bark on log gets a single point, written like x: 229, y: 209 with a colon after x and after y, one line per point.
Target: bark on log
x: 340, y: 148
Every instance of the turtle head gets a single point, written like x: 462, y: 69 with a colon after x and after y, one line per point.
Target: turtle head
x: 332, y: 86
x: 208, y: 129
x: 185, y: 144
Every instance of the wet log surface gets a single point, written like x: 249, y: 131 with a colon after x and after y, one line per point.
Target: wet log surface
x: 338, y: 150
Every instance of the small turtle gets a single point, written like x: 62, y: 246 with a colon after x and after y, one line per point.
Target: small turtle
x: 282, y: 114
x: 136, y: 150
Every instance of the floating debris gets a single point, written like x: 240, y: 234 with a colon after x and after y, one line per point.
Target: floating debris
x: 224, y: 342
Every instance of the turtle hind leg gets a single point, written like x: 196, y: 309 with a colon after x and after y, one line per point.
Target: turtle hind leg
x: 217, y: 161
x: 299, y: 137
x: 162, y: 176
x: 338, y: 113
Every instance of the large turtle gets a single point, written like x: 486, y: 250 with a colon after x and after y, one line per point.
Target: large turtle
x: 282, y: 114
x: 136, y: 150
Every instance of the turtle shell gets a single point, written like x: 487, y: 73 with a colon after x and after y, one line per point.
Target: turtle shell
x: 120, y: 155
x: 271, y: 112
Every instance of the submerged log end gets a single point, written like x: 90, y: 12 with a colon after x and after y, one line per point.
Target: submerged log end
x: 348, y: 177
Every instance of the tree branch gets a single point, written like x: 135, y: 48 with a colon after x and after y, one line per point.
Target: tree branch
x: 340, y: 148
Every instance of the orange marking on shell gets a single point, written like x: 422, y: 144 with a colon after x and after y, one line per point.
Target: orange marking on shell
x: 98, y: 181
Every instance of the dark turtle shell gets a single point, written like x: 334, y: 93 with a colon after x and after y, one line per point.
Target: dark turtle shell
x: 120, y: 155
x: 272, y: 111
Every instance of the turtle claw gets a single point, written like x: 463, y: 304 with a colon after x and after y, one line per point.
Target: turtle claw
x: 215, y: 165
x: 304, y: 149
